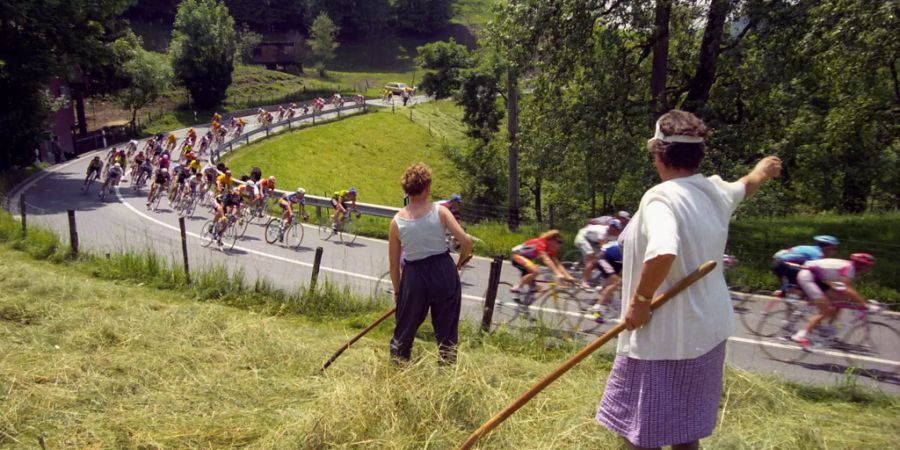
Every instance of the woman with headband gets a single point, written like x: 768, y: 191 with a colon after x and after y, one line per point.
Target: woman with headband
x: 666, y: 381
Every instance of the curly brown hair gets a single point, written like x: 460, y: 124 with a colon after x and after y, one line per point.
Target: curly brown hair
x: 416, y: 179
x: 680, y: 155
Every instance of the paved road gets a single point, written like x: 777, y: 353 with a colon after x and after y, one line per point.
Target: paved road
x: 124, y: 222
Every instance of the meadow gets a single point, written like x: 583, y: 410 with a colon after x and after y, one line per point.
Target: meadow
x: 105, y: 353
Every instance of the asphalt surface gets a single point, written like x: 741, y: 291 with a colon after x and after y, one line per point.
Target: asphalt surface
x: 123, y: 222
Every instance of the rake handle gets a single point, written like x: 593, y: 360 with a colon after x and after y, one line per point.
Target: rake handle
x: 498, y: 418
x: 357, y: 337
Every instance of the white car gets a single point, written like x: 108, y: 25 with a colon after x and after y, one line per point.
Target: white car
x: 397, y: 88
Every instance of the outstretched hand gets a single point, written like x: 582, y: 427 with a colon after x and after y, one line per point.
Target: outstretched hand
x: 769, y: 167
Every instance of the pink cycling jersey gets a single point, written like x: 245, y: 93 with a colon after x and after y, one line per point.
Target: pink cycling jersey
x: 831, y: 269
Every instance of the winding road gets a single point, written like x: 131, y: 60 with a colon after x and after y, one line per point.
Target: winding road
x: 123, y: 222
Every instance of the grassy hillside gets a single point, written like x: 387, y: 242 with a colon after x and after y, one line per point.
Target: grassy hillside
x: 369, y: 152
x: 111, y: 363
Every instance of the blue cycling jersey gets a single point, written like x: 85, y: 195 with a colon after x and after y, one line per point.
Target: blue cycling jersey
x: 800, y: 254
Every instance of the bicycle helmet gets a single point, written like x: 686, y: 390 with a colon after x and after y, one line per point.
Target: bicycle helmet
x: 624, y: 215
x: 824, y: 240
x: 602, y: 220
x: 301, y: 191
x: 272, y: 179
x: 862, y: 259
x: 455, y: 198
x: 352, y: 190
x: 615, y: 223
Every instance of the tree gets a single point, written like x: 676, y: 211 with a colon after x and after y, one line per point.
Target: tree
x: 42, y: 40
x: 202, y: 50
x: 423, y: 16
x: 356, y: 17
x: 322, y: 35
x: 148, y: 74
x: 247, y: 41
x: 443, y: 63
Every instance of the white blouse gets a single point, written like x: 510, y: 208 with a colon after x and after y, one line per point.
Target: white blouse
x: 687, y: 217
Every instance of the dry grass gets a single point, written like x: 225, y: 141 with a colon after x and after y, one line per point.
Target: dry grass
x: 91, y: 363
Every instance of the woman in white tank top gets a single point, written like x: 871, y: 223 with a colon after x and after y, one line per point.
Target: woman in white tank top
x: 429, y: 279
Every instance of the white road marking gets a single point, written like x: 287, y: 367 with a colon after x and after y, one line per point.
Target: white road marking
x: 815, y: 351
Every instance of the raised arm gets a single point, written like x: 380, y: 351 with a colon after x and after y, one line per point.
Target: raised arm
x: 766, y: 169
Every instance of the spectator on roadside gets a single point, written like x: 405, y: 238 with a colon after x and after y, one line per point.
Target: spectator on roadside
x: 666, y: 381
x: 405, y: 96
x: 429, y: 280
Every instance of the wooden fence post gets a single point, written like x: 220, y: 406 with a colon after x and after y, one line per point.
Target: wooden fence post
x: 315, y: 272
x: 184, y: 250
x: 73, y: 233
x: 22, y: 214
x: 491, y: 296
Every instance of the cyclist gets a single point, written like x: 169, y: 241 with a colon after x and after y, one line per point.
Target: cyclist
x: 223, y: 181
x: 339, y: 202
x: 181, y: 175
x: 204, y: 143
x: 622, y: 216
x: 267, y: 187
x: 248, y: 191
x: 135, y: 165
x: 589, y: 241
x: 131, y: 147
x: 788, y: 262
x: 95, y: 166
x: 227, y: 203
x: 144, y: 171
x: 160, y: 183
x: 610, y: 263
x: 163, y: 161
x: 113, y: 175
x: 453, y: 205
x: 287, y: 203
x: 192, y: 184
x: 543, y: 249
x: 171, y: 140
x: 830, y: 280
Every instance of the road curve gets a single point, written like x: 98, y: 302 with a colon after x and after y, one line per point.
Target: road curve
x: 123, y: 222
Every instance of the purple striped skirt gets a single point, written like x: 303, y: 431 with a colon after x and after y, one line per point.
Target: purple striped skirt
x: 653, y: 403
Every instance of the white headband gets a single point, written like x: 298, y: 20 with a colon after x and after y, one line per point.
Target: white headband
x: 676, y: 137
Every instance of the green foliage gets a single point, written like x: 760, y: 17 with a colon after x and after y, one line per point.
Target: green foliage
x: 356, y: 17
x: 203, y: 49
x: 479, y: 96
x: 42, y: 40
x: 443, y: 63
x: 148, y: 74
x: 322, y: 41
x: 247, y: 41
x: 423, y: 16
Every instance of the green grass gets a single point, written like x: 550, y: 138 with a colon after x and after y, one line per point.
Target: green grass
x: 368, y: 151
x: 473, y: 13
x: 94, y: 359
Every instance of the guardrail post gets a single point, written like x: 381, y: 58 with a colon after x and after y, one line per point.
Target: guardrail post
x: 73, y: 233
x: 22, y: 214
x: 315, y: 271
x: 184, y: 251
x: 314, y: 115
x: 319, y: 213
x: 392, y: 106
x: 491, y: 295
x: 289, y: 126
x: 267, y: 130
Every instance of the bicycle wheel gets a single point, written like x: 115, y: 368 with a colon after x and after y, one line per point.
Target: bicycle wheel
x: 348, y: 232
x: 325, y: 230
x: 273, y: 229
x: 551, y: 309
x: 242, y: 222
x: 752, y: 308
x: 206, y: 235
x: 157, y: 198
x: 384, y: 288
x: 509, y: 313
x: 231, y: 236
x: 774, y: 332
x: 876, y: 341
x: 293, y: 236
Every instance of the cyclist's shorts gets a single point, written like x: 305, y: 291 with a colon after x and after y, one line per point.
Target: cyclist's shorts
x: 210, y: 177
x: 609, y: 268
x: 587, y: 247
x: 785, y: 272
x: 522, y: 263
x: 812, y: 287
x: 284, y: 204
x: 334, y: 203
